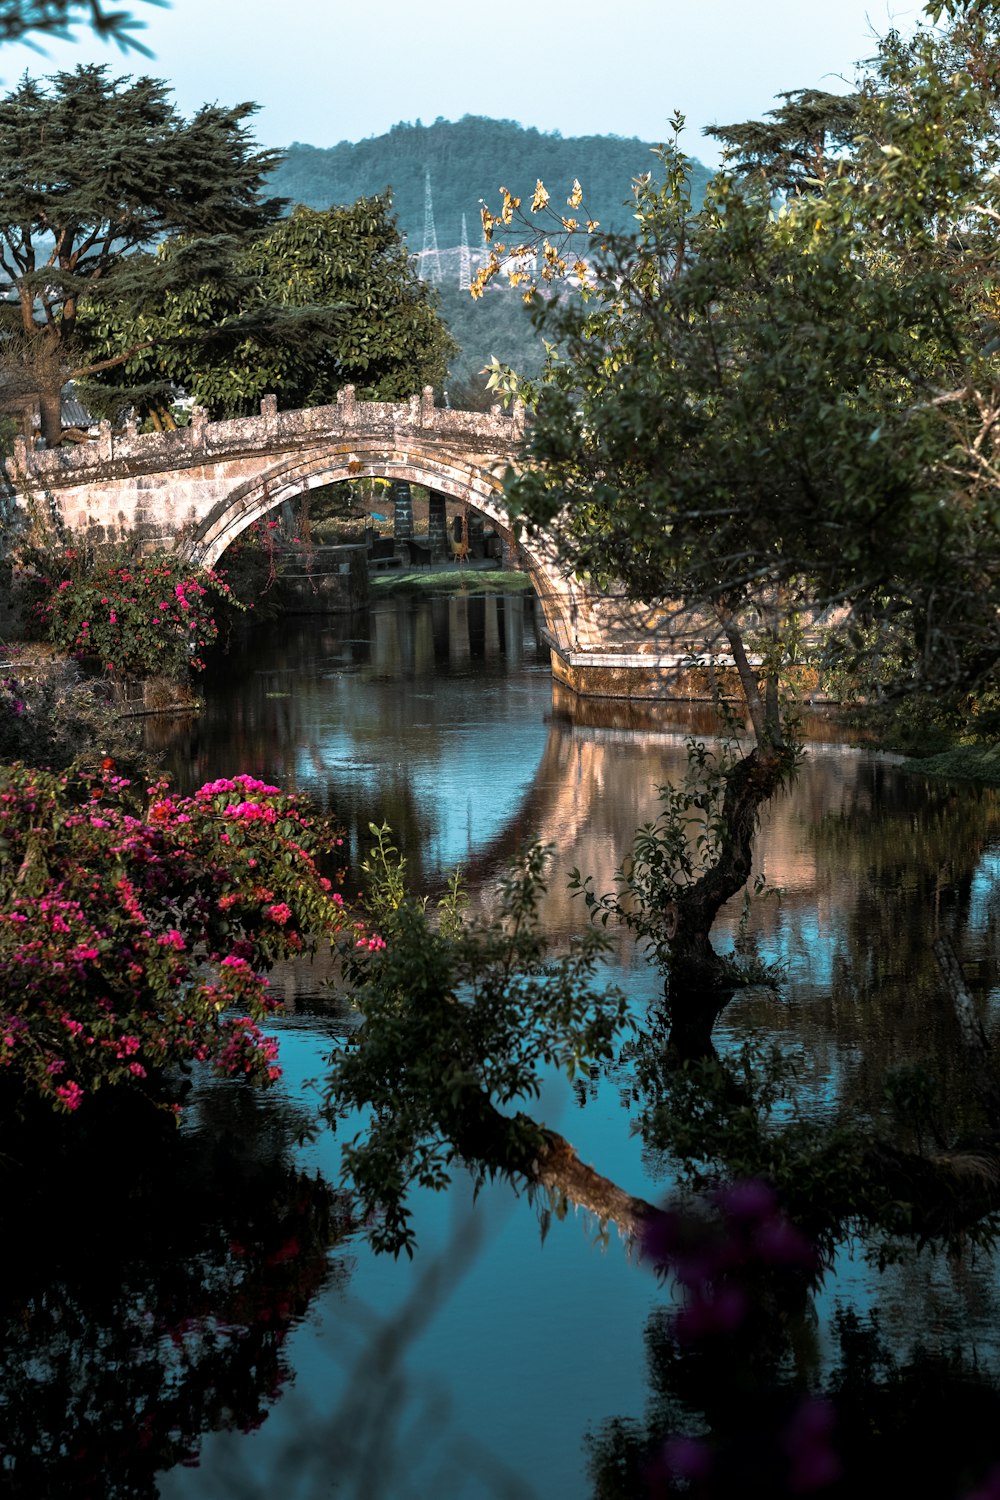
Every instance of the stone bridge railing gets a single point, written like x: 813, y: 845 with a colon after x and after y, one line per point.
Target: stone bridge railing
x: 273, y: 431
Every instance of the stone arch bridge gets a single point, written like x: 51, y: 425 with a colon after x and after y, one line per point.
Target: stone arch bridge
x: 199, y: 487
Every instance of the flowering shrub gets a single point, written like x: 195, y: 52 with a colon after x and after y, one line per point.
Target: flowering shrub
x: 139, y: 618
x: 130, y: 929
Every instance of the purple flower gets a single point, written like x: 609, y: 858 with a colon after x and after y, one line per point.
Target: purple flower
x: 990, y: 1490
x: 686, y: 1458
x: 808, y: 1441
x: 779, y: 1243
x: 752, y: 1199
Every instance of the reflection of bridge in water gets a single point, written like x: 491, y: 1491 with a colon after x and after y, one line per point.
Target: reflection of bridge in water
x: 470, y: 755
x: 434, y: 719
x: 469, y: 752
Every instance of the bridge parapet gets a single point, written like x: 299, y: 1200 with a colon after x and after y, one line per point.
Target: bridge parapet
x: 118, y: 450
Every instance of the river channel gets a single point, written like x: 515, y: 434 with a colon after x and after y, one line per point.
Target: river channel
x: 487, y: 1366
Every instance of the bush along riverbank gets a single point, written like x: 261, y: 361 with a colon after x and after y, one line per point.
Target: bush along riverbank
x: 979, y: 763
x: 127, y: 632
x: 136, y: 927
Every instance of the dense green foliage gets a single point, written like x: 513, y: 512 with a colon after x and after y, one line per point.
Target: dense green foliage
x: 745, y: 412
x: 319, y: 301
x: 94, y: 170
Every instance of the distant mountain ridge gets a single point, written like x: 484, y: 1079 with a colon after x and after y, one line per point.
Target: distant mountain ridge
x: 468, y: 160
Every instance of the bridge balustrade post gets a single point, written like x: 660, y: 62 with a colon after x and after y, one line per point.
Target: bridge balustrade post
x: 105, y: 448
x: 427, y: 406
x: 269, y: 413
x: 414, y: 411
x: 199, y: 421
x: 347, y: 404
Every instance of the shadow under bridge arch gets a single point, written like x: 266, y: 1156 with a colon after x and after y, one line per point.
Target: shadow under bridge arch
x: 470, y: 480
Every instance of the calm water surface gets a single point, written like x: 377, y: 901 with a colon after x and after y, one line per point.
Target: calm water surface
x: 479, y: 1369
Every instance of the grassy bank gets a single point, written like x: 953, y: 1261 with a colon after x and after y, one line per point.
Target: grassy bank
x: 452, y: 581
x: 961, y: 763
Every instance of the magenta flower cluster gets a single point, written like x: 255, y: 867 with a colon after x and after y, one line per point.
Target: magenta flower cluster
x: 148, y: 618
x: 135, y: 928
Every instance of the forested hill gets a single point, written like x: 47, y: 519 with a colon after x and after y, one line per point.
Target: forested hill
x: 468, y: 161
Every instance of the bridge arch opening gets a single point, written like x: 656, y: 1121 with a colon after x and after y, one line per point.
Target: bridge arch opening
x: 466, y: 481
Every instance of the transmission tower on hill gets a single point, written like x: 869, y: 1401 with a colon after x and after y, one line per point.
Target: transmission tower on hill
x: 464, y: 261
x: 430, y: 260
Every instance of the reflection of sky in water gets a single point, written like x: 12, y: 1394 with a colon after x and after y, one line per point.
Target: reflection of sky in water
x: 431, y: 1367
x: 468, y: 754
x: 983, y: 890
x: 802, y: 945
x: 982, y: 910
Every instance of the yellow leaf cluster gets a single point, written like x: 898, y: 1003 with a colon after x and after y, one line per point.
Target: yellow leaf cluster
x: 540, y: 198
x: 553, y: 262
x: 576, y: 196
x: 485, y: 274
x: 510, y: 204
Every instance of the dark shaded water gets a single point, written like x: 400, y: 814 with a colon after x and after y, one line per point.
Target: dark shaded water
x: 258, y: 1318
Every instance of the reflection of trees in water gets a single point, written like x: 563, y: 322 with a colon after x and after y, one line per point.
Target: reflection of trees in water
x: 893, y: 859
x: 906, y: 1419
x: 151, y: 1282
x: 869, y: 860
x: 373, y: 1422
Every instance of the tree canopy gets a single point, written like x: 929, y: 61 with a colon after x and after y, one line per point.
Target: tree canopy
x: 318, y: 301
x: 780, y: 409
x: 757, y: 409
x: 93, y: 172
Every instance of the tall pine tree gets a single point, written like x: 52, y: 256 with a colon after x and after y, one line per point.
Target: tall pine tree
x: 94, y: 170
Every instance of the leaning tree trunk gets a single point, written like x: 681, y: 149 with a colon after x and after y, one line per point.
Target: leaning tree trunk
x: 700, y: 983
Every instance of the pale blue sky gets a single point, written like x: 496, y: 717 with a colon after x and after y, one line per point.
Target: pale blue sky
x: 328, y: 70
